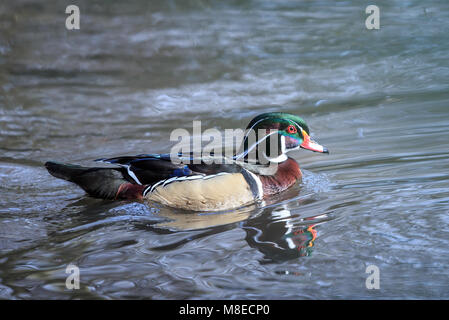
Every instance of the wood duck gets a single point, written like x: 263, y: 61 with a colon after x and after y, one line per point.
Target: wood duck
x: 224, y: 184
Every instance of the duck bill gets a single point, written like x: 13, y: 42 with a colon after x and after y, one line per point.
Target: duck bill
x: 311, y: 145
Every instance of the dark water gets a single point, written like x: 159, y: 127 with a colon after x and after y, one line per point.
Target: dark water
x: 379, y: 100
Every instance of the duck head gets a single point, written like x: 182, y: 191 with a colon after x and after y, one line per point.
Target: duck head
x: 275, y: 134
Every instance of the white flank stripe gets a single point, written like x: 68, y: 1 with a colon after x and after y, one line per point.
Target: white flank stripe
x: 169, y: 180
x: 259, y: 184
x: 146, y: 190
x: 165, y: 182
x: 132, y: 175
x: 155, y: 185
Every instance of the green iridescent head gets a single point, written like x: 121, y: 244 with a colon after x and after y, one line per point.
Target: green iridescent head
x: 291, y: 131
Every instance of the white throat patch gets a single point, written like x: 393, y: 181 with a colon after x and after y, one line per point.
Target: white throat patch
x: 283, y: 156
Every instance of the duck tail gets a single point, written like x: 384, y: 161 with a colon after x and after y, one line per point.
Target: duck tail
x: 104, y: 183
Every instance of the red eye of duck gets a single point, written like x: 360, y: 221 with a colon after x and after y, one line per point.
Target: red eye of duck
x: 291, y: 129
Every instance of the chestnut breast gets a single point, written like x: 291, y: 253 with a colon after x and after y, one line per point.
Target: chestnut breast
x: 287, y: 174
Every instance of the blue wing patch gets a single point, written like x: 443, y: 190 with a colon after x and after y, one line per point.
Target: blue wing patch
x: 181, y: 172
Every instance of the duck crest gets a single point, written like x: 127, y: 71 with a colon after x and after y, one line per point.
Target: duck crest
x: 288, y: 172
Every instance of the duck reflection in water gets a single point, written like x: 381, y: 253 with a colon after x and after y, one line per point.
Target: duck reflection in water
x: 275, y: 231
x: 285, y: 237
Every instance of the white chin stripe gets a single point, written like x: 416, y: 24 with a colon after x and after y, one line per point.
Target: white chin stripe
x: 282, y: 157
x: 283, y: 146
x: 279, y: 159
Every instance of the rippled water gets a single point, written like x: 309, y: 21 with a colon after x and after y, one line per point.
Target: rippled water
x: 379, y: 100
